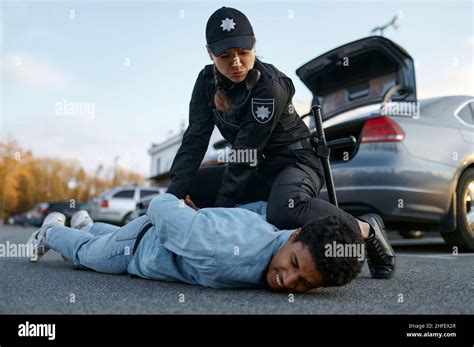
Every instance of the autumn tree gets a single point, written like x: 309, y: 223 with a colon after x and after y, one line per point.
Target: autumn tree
x: 26, y: 180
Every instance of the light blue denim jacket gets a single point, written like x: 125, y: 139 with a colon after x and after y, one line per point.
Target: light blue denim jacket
x: 213, y: 247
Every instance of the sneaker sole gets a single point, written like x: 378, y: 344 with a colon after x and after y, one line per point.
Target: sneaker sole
x: 42, y: 230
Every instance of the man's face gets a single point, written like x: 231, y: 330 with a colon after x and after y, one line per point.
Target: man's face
x: 235, y: 63
x: 292, y: 269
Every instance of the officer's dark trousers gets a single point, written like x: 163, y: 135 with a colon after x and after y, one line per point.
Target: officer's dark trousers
x: 292, y: 194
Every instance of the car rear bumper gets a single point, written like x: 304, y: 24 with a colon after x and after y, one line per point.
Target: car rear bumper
x: 384, y: 178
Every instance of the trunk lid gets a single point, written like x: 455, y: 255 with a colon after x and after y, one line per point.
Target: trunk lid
x: 363, y: 72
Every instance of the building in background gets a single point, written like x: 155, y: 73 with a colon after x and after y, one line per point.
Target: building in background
x: 162, y: 155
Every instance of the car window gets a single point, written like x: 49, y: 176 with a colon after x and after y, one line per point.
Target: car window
x: 126, y: 194
x: 471, y: 105
x: 145, y: 192
x: 467, y: 113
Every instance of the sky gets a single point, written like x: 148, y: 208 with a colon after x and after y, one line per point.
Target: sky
x: 100, y: 81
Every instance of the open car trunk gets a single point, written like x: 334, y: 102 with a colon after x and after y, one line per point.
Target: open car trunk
x: 364, y: 72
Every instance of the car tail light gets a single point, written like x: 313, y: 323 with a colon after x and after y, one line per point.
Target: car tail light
x: 382, y: 129
x: 105, y: 203
x: 46, y: 211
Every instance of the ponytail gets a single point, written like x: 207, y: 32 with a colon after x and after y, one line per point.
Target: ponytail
x: 221, y: 100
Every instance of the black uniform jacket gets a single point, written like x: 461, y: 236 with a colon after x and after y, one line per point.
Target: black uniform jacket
x: 265, y: 121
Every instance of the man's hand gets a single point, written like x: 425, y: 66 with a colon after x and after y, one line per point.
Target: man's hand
x: 190, y: 203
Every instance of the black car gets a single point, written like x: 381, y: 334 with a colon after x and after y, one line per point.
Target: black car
x: 35, y: 216
x: 68, y: 208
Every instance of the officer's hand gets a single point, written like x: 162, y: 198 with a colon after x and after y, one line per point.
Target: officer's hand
x: 190, y: 203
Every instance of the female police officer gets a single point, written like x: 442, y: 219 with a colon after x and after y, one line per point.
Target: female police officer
x: 251, y: 104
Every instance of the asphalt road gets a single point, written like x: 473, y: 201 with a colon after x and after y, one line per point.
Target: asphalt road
x: 429, y: 280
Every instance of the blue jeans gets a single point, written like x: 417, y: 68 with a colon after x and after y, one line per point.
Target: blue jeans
x: 105, y: 248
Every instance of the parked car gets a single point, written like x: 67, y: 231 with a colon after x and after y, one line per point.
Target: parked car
x: 142, y: 205
x: 416, y: 168
x: 34, y: 217
x: 67, y: 207
x: 116, y: 205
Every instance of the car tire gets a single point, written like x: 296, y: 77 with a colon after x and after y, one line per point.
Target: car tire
x: 127, y: 219
x: 412, y: 234
x: 463, y: 236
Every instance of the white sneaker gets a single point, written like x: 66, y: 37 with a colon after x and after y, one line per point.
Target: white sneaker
x: 36, y: 241
x: 81, y: 220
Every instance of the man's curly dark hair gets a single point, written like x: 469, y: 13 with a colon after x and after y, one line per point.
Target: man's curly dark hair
x: 336, y: 271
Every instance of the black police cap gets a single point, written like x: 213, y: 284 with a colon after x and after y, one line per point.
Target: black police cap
x: 228, y: 28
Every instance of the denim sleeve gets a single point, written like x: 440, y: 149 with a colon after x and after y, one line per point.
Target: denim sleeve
x: 181, y: 229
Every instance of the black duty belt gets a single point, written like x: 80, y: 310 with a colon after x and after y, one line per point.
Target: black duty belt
x: 304, y: 143
x: 301, y: 144
x: 140, y: 235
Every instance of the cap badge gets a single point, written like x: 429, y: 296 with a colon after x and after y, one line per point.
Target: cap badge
x: 228, y: 24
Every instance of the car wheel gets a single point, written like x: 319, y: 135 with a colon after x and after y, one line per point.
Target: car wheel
x: 127, y: 219
x: 412, y: 234
x: 463, y: 236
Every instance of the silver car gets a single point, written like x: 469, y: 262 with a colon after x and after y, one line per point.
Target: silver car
x: 116, y: 205
x: 142, y: 205
x: 414, y: 159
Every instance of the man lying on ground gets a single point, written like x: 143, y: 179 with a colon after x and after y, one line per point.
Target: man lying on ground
x: 213, y: 247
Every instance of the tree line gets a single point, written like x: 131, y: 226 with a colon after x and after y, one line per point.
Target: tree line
x: 26, y: 180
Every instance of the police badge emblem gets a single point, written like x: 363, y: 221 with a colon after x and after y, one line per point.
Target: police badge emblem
x: 263, y: 109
